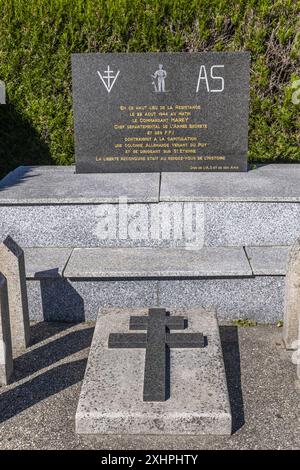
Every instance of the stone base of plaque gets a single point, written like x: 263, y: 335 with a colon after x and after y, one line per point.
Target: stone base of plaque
x: 111, y: 399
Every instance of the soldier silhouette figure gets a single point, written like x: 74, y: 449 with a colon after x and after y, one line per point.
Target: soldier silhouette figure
x: 160, y: 75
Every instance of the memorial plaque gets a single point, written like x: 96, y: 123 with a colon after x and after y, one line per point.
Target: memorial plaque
x: 147, y: 112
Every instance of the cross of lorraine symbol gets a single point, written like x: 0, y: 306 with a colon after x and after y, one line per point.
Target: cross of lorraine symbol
x: 108, y: 79
x: 156, y: 341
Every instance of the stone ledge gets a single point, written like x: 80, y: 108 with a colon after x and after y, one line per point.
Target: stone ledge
x: 61, y: 185
x: 46, y: 262
x: 157, y: 262
x: 268, y: 260
x: 106, y: 263
x: 268, y: 183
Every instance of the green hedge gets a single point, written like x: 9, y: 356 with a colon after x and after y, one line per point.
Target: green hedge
x: 38, y: 36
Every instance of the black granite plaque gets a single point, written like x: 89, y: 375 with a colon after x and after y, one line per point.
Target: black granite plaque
x: 145, y: 112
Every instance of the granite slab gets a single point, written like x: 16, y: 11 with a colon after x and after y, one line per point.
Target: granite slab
x: 260, y: 298
x: 158, y: 111
x: 157, y: 262
x: 45, y: 262
x: 111, y: 399
x: 61, y: 185
x: 268, y: 260
x: 89, y: 225
x: 76, y: 301
x: 274, y: 182
x: 251, y: 223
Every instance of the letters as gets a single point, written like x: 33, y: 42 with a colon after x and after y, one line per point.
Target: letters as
x: 209, y: 83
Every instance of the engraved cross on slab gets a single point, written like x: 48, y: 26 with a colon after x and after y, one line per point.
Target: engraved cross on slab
x: 157, y: 341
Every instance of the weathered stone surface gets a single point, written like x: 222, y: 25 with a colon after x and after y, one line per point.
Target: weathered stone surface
x: 267, y: 260
x: 269, y: 183
x: 111, y: 399
x: 73, y: 301
x: 44, y: 206
x: 46, y: 262
x: 12, y: 265
x: 260, y: 297
x: 6, y: 359
x: 61, y: 185
x: 157, y: 262
x: 88, y: 225
x: 292, y: 298
x: 170, y: 278
x: 251, y: 223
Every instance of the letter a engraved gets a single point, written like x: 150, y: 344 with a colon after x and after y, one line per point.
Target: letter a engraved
x: 108, y: 79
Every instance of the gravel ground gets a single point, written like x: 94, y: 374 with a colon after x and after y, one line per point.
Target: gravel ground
x: 37, y: 410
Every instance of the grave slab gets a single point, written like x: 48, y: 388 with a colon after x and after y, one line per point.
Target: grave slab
x: 111, y: 399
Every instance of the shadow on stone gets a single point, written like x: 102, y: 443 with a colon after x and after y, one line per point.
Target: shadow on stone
x: 49, y: 383
x: 231, y: 354
x: 52, y: 352
x: 48, y: 274
x: 21, y: 144
x: 44, y: 330
x: 60, y: 301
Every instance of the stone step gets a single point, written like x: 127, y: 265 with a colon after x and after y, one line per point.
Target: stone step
x: 53, y: 206
x: 157, y: 262
x: 266, y: 183
x: 67, y: 284
x: 107, y: 263
x: 60, y: 184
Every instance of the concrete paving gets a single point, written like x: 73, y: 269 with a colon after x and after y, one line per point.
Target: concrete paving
x: 37, y: 411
